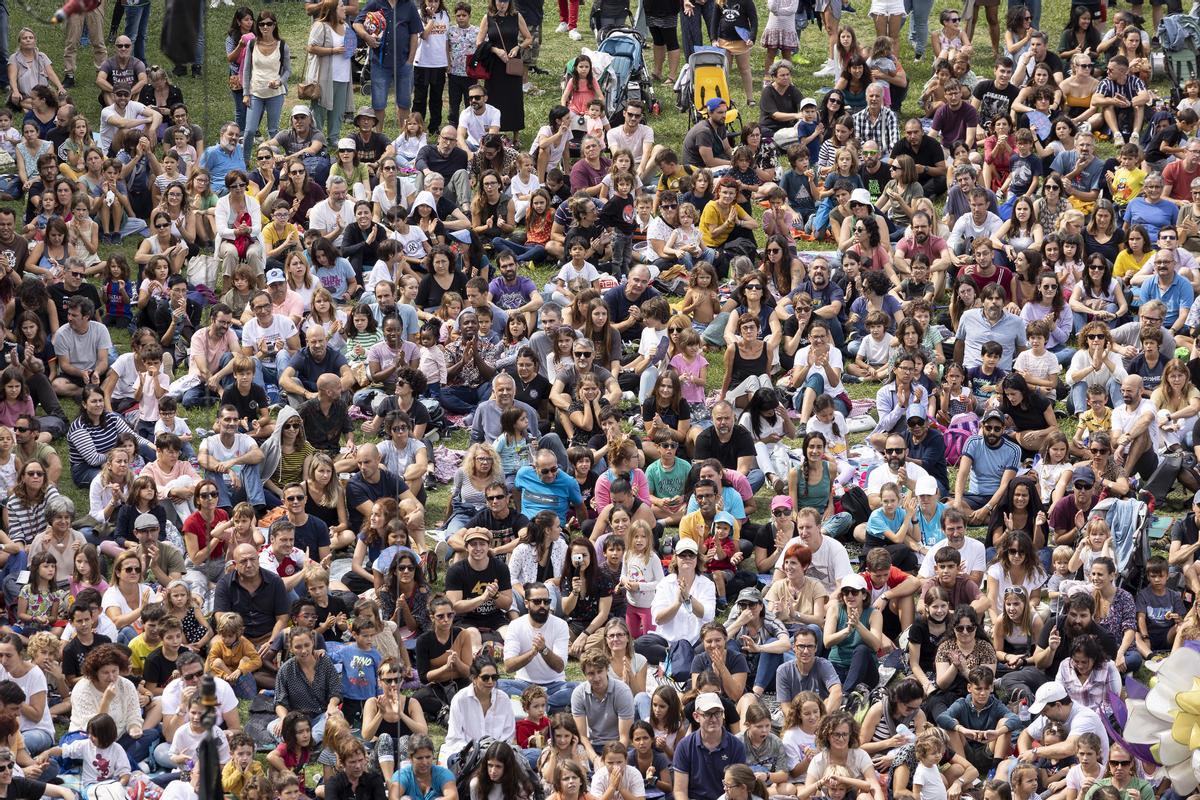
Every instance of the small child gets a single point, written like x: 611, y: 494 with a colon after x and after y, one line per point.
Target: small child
x: 742, y: 170
x: 618, y: 215
x: 577, y: 266
x: 883, y: 60
x: 183, y: 147
x: 118, y: 294
x: 985, y: 378
x: 233, y: 657
x: 1159, y: 610
x: 185, y: 744
x: 1096, y: 419
x: 40, y: 600
x: 531, y: 731
x: 432, y: 361
x: 1125, y: 182
x: 692, y: 367
x: 1096, y: 542
x: 889, y: 523
x: 1052, y: 772
x: 1050, y: 466
x: 1089, y: 769
x: 1060, y: 560
x: 161, y: 664
x: 102, y: 759
x: 169, y: 421
x: 780, y: 219
x: 595, y: 123
x: 641, y: 570
x: 1023, y: 780
x: 515, y: 445
x: 1037, y: 365
x: 873, y: 360
x: 927, y: 780
x: 360, y: 669
x: 721, y: 555
x: 150, y: 639
x: 151, y: 387
x: 167, y: 173
x: 701, y: 301
x: 685, y: 245
x: 1191, y: 98
x: 523, y: 185
x: 242, y: 768
x: 801, y: 718
x: 997, y: 154
x: 918, y: 286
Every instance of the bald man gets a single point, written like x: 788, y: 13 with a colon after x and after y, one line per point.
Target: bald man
x: 326, y: 418
x: 1135, y: 429
x: 371, y: 483
x: 316, y: 358
x: 255, y: 593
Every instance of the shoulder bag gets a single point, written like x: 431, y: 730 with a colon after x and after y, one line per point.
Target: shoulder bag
x: 310, y: 87
x: 514, y: 66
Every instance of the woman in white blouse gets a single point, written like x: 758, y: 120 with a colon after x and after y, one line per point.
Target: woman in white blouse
x: 239, y: 226
x: 479, y: 710
x: 538, y: 557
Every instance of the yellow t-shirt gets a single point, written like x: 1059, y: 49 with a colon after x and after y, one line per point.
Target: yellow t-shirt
x: 711, y: 218
x: 1093, y: 423
x: 1127, y: 183
x: 1126, y: 264
x: 272, y: 238
x: 139, y: 650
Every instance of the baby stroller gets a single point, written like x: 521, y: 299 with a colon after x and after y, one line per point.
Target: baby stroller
x: 702, y: 79
x: 1128, y: 519
x: 626, y: 77
x: 1179, y: 35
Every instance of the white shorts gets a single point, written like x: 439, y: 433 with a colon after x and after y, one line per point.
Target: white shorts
x: 887, y: 8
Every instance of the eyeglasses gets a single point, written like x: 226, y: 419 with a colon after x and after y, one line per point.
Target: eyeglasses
x: 260, y: 307
x: 296, y: 498
x: 389, y: 168
x: 1169, y: 237
x: 159, y: 227
x: 296, y: 172
x: 208, y: 495
x: 1119, y: 762
x: 491, y: 677
x: 965, y: 628
x: 491, y: 498
x: 668, y: 205
x: 1014, y: 551
x: 32, y: 474
x: 266, y: 24
x: 840, y: 735
x: 952, y: 19
x: 192, y: 676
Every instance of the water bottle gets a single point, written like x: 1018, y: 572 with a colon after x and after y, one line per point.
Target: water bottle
x: 1023, y: 713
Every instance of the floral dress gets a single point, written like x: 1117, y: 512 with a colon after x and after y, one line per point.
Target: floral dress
x: 780, y: 32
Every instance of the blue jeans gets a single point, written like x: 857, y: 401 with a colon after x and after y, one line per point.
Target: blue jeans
x: 251, y: 490
x: 918, y: 31
x: 838, y: 525
x: 239, y: 108
x: 709, y: 255
x: 1063, y: 353
x: 137, y: 22
x: 524, y: 253
x: 756, y: 479
x: 382, y: 79
x: 1079, y: 395
x: 198, y: 56
x: 764, y: 676
x: 82, y: 474
x: 269, y: 373
x: 559, y: 692
x: 245, y: 687
x: 816, y: 382
x: 1133, y: 662
x: 464, y: 399
x: 37, y: 741
x: 139, y: 749
x: 272, y: 107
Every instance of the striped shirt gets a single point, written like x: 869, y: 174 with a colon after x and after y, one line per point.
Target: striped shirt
x: 89, y: 444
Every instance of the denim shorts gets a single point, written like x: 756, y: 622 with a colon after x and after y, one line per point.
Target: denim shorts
x: 382, y: 81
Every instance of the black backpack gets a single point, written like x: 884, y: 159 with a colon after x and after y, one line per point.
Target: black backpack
x: 472, y: 756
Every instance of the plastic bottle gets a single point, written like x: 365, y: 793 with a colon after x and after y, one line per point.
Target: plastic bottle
x: 1023, y: 714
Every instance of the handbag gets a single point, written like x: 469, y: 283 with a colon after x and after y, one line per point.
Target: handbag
x: 235, y: 83
x: 310, y: 88
x: 514, y: 66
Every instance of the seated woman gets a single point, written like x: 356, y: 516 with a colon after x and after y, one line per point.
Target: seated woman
x: 1021, y: 509
x: 1031, y: 413
x: 900, y: 706
x: 1016, y: 565
x: 101, y: 686
x: 837, y: 745
x: 1088, y: 675
x: 478, y: 710
x: 93, y: 433
x: 853, y: 633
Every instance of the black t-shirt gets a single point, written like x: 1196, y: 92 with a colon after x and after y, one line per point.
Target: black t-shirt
x: 740, y: 444
x: 76, y: 651
x: 703, y: 135
x: 471, y: 582
x: 60, y: 296
x: 928, y: 153
x: 1064, y: 647
x: 418, y: 414
x: 994, y: 101
x: 371, y: 149
x: 535, y: 393
x: 1031, y: 418
x: 772, y: 102
x: 919, y: 634
x: 669, y: 415
x: 249, y: 406
x: 25, y: 789
x: 1185, y: 531
x: 875, y: 181
x: 1170, y: 135
x: 430, y: 158
x: 359, y: 490
x: 157, y: 669
x: 503, y: 530
x: 429, y: 648
x: 311, y: 536
x: 308, y: 370
x: 336, y: 606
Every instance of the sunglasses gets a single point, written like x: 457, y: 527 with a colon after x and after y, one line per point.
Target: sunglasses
x: 1083, y: 487
x: 237, y: 185
x: 538, y: 601
x: 781, y: 512
x: 548, y: 470
x: 894, y: 451
x: 1119, y: 762
x: 192, y: 677
x: 208, y: 495
x: 1098, y: 451
x: 296, y: 498
x: 493, y: 497
x: 491, y: 677
x: 965, y: 628
x: 389, y: 680
x: 406, y: 568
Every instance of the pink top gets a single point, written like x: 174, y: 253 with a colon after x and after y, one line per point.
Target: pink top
x: 693, y: 393
x: 162, y: 478
x: 77, y: 586
x: 579, y: 98
x: 637, y: 479
x: 9, y: 411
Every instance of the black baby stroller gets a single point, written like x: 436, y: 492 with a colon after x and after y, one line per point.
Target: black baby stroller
x: 1179, y: 35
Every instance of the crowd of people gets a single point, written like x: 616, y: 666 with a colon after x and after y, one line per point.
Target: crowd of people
x: 340, y: 299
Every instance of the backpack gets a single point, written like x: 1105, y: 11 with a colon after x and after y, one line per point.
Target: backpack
x: 472, y: 756
x: 962, y: 427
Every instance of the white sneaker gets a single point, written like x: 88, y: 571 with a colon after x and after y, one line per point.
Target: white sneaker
x: 574, y: 34
x: 1133, y: 137
x: 825, y: 71
x: 562, y: 28
x: 1118, y: 140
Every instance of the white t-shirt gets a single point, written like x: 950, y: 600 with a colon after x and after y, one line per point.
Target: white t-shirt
x: 108, y: 131
x: 477, y: 124
x: 641, y: 138
x: 128, y: 376
x: 556, y: 153
x: 186, y: 741
x: 631, y: 781
x: 883, y: 474
x: 519, y: 639
x: 1080, y: 721
x: 930, y: 781
x: 104, y: 627
x: 995, y: 573
x: 568, y: 273
x: 1123, y: 418
x: 226, y: 699
x: 1045, y: 366
x: 323, y: 218
x: 431, y: 50
x: 830, y: 561
x: 280, y: 330
x: 114, y: 599
x: 242, y: 444
x: 685, y: 624
x: 31, y: 683
x: 835, y: 361
x: 974, y: 557
x: 99, y: 763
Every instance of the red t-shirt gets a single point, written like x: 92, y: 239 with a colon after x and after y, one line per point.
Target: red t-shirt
x: 196, y: 526
x: 527, y: 728
x: 1178, y: 181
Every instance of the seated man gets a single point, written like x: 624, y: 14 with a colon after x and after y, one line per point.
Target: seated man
x: 316, y: 358
x: 230, y: 460
x: 990, y: 461
x: 1135, y: 432
x: 327, y: 418
x: 893, y: 591
x: 271, y: 339
x: 948, y: 574
x: 470, y: 363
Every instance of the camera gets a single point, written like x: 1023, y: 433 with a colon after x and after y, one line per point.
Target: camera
x: 577, y: 560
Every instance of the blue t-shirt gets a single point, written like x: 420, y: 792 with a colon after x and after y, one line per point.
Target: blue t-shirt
x: 879, y: 523
x: 931, y: 530
x: 988, y: 465
x: 731, y: 501
x: 1088, y: 179
x: 408, y: 782
x: 814, y: 147
x: 336, y: 278
x: 891, y: 305
x: 1177, y: 298
x: 403, y: 22
x: 706, y: 768
x: 360, y: 670
x: 1152, y: 215
x: 558, y: 496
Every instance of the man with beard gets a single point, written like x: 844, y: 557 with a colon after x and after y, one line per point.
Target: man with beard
x: 1135, y: 431
x: 828, y: 298
x: 697, y: 524
x: 514, y: 293
x: 1127, y: 339
x: 1082, y: 172
x: 730, y: 444
x: 991, y: 323
x: 872, y: 171
x: 927, y: 154
x: 1068, y: 516
x: 830, y: 561
x: 1077, y: 618
x: 876, y: 121
x: 927, y: 448
x: 371, y: 145
x: 625, y: 302
x: 316, y: 359
x: 13, y: 248
x: 921, y: 241
x: 980, y: 224
x: 955, y: 120
x: 895, y: 468
x: 535, y: 648
x: 966, y: 178
x: 470, y: 364
x: 485, y: 426
x: 505, y: 522
x: 444, y: 157
x: 990, y: 461
x: 808, y: 673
